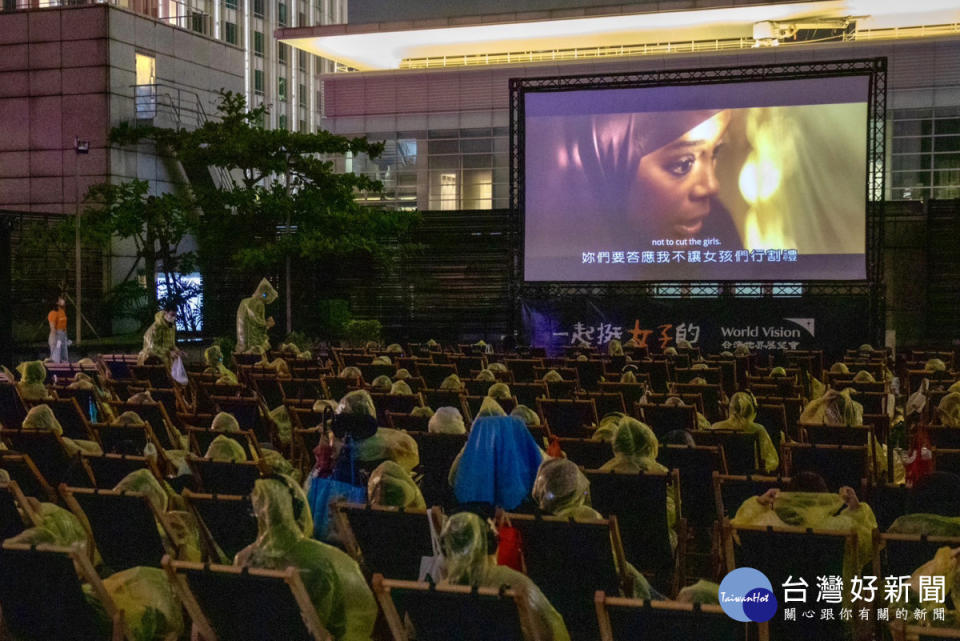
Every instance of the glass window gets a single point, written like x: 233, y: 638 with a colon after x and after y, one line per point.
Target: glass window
x: 282, y: 121
x: 282, y: 88
x: 145, y: 93
x: 258, y: 8
x: 198, y: 22
x: 302, y: 61
x: 258, y: 43
x: 230, y: 32
x: 282, y: 53
x: 282, y: 13
x: 258, y: 82
x: 231, y: 4
x: 302, y: 95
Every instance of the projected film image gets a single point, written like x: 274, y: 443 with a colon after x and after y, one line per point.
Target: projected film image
x: 753, y: 181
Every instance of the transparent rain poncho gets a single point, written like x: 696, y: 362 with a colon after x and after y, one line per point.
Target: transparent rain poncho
x: 225, y: 449
x: 452, y: 382
x: 402, y: 374
x: 743, y: 410
x: 57, y: 527
x: 381, y: 384
x: 281, y: 418
x: 422, y: 411
x: 561, y: 489
x: 447, y: 420
x: 213, y: 357
x: 614, y: 348
x: 527, y: 415
x: 816, y: 510
x: 151, y: 610
x: 159, y: 340
x: 607, y: 429
x: 32, y: 378
x: 41, y: 418
x: 350, y: 372
x: 467, y: 561
x: 333, y: 581
x: 400, y: 388
x: 391, y: 486
x: 487, y: 376
x: 251, y: 319
x: 225, y: 423
x: 185, y: 532
x: 553, y: 376
x: 935, y: 365
x: 499, y: 392
x: 926, y: 524
x: 497, y: 368
x: 386, y: 443
x: 949, y: 410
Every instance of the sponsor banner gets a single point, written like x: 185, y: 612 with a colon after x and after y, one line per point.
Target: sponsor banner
x: 713, y: 325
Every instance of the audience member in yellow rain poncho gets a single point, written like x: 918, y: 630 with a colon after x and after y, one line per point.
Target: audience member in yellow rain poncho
x: 32, y: 378
x: 225, y: 422
x: 400, y: 388
x: 350, y: 372
x: 743, y: 409
x: 527, y: 415
x: 497, y: 368
x: 41, y: 418
x: 391, y: 486
x: 839, y: 408
x: 150, y: 608
x: 57, y: 526
x: 452, y: 382
x: 447, y: 420
x: 252, y: 321
x: 381, y: 384
x: 614, y: 348
x: 562, y: 490
x: 333, y: 581
x: 945, y: 563
x: 676, y: 401
x: 499, y: 392
x: 467, y: 561
x: 487, y: 376
x: 160, y: 339
x: 817, y: 510
x: 101, y: 396
x: 553, y: 376
x: 607, y: 429
x: 213, y: 356
x: 226, y: 450
x: 185, y: 533
x: 948, y: 410
x: 935, y: 365
x: 635, y: 449
x: 386, y: 444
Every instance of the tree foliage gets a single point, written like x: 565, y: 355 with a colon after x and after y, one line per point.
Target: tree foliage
x: 283, y: 198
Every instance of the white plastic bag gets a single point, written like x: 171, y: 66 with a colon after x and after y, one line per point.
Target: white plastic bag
x: 432, y: 566
x: 178, y: 371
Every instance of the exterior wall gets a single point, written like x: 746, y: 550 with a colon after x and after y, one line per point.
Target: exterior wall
x: 443, y: 113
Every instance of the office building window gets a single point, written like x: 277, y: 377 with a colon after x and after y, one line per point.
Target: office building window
x: 302, y: 60
x: 231, y: 4
x: 282, y: 88
x: 146, y: 90
x: 230, y: 32
x: 258, y: 43
x: 302, y: 95
x: 258, y: 82
x: 258, y: 8
x: 924, y: 157
x: 282, y: 53
x: 198, y: 21
x: 302, y: 126
x: 302, y: 19
x: 282, y: 13
x: 282, y: 121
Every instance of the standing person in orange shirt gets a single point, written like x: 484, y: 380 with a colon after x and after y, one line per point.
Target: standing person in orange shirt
x: 57, y: 318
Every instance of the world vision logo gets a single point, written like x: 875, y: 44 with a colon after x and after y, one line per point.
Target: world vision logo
x: 808, y: 324
x: 747, y: 595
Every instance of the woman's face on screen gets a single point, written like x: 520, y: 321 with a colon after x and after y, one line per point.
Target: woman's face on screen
x: 677, y: 182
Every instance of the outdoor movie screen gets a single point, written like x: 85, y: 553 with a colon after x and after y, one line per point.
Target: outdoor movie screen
x: 735, y: 181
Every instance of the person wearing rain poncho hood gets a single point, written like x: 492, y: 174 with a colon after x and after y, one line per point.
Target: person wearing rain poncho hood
x: 381, y: 384
x: 562, y: 490
x: 447, y: 420
x: 333, y: 581
x: 499, y: 392
x: 839, y: 408
x: 948, y: 410
x: 392, y: 486
x: 41, y: 418
x: 160, y: 339
x: 499, y: 462
x: 635, y: 449
x: 33, y: 375
x: 468, y: 561
x: 743, y: 409
x: 252, y: 322
x: 816, y: 510
x: 452, y: 382
x: 386, y: 444
x: 213, y: 356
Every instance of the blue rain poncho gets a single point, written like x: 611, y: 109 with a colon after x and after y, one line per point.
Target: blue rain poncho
x: 499, y: 463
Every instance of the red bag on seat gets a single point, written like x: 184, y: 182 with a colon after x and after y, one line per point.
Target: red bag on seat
x: 510, y: 550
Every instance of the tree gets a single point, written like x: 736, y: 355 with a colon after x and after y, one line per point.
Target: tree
x: 157, y: 225
x: 283, y: 198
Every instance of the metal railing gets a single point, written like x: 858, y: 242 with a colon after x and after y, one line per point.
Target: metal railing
x: 182, y: 107
x: 182, y: 16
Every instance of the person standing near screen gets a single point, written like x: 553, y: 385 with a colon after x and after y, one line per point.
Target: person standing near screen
x: 57, y: 340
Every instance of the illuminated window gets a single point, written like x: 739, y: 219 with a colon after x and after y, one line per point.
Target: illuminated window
x: 145, y: 93
x: 189, y: 299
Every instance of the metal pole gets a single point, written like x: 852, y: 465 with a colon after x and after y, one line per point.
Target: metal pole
x: 81, y: 147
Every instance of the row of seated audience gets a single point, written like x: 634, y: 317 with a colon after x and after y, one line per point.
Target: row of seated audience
x: 501, y: 467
